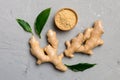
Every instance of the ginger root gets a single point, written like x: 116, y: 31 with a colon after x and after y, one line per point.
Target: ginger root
x: 48, y: 53
x: 85, y: 42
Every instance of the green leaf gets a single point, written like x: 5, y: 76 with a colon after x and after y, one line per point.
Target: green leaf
x: 80, y: 66
x: 24, y: 25
x: 41, y: 20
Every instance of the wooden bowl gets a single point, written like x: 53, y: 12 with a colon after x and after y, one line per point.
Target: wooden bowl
x: 66, y: 19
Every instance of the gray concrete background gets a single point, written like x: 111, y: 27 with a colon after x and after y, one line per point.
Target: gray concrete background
x: 16, y: 63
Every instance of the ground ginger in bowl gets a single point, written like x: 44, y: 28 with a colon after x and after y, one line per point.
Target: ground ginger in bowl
x: 66, y: 19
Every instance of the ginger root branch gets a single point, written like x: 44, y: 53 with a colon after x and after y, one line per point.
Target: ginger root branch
x: 85, y: 42
x: 48, y: 53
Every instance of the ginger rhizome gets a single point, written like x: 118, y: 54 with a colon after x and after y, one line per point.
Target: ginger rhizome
x: 48, y: 53
x: 85, y: 42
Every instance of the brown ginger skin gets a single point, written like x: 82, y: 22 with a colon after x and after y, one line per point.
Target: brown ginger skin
x: 85, y: 42
x: 49, y: 53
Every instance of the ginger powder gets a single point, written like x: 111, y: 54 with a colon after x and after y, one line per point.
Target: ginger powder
x: 66, y: 19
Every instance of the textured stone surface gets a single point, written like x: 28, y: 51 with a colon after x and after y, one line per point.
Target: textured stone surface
x: 16, y: 63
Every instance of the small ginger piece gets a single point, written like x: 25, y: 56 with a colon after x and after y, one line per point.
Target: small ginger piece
x: 85, y: 42
x: 48, y: 53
